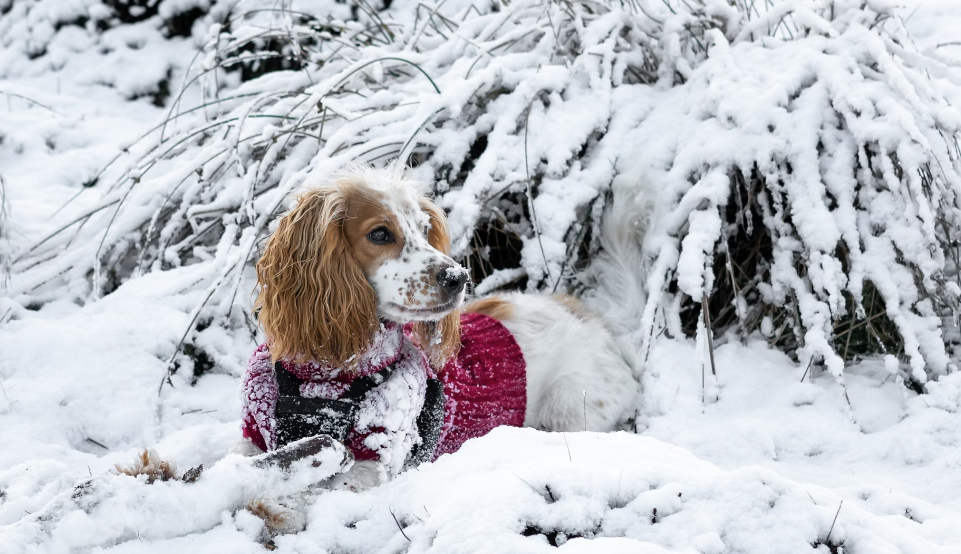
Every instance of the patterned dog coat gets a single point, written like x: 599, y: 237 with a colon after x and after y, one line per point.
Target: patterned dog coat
x: 391, y: 407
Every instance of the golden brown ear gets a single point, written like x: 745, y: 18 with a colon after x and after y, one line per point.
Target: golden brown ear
x: 314, y: 301
x: 439, y: 339
x: 439, y: 235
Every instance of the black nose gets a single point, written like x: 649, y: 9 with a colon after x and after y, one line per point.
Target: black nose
x: 452, y: 279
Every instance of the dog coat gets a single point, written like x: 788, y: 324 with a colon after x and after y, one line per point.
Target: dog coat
x: 378, y: 409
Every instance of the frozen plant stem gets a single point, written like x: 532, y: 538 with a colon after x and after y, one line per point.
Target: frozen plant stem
x: 585, y: 409
x: 530, y: 194
x: 806, y: 369
x: 828, y: 538
x: 399, y: 526
x: 710, y: 335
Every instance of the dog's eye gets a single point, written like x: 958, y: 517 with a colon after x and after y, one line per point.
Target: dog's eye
x: 380, y: 235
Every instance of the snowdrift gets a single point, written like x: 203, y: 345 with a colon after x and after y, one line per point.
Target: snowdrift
x: 519, y: 491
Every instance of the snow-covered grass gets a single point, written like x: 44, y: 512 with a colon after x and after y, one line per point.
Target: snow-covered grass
x: 137, y: 504
x: 568, y: 97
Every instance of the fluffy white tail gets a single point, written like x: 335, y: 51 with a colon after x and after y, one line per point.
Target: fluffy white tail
x: 618, y: 275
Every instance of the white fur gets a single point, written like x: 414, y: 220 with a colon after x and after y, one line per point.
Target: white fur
x: 577, y: 377
x: 404, y: 286
x: 361, y: 476
x: 618, y: 275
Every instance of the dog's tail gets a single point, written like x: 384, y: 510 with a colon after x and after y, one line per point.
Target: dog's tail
x: 618, y: 275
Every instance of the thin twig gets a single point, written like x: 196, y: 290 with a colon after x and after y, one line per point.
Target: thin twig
x: 403, y: 151
x: 214, y: 287
x: 828, y: 538
x: 530, y: 195
x: 31, y: 101
x: 710, y: 335
x: 550, y: 494
x: 585, y: 409
x: 399, y: 526
x: 810, y: 361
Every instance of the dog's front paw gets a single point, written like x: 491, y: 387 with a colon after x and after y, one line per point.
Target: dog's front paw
x: 279, y: 518
x: 149, y: 464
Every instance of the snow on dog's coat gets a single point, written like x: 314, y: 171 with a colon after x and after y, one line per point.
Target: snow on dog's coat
x: 365, y: 256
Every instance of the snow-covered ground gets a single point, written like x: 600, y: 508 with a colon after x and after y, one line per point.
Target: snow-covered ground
x: 768, y: 467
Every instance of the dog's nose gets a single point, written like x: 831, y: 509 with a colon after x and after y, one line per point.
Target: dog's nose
x: 452, y: 279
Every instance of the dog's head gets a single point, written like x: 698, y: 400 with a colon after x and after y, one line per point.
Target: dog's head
x: 367, y: 245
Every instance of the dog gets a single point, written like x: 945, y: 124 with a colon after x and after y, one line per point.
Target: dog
x: 371, y: 339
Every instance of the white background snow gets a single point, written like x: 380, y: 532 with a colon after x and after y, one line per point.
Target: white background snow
x: 765, y: 468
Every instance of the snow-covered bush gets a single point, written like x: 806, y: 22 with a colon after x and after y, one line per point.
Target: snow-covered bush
x: 837, y: 204
x: 4, y: 239
x: 800, y: 172
x: 131, y: 45
x: 808, y: 185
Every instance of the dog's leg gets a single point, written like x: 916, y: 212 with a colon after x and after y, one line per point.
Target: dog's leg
x: 361, y: 476
x: 284, y: 515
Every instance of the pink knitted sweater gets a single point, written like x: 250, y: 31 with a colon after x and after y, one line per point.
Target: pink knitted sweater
x: 484, y: 387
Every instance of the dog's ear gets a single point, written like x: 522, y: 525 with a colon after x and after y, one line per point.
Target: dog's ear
x: 439, y: 234
x: 439, y: 339
x: 315, y: 302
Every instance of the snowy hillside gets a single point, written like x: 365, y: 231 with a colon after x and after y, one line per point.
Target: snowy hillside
x: 144, y: 153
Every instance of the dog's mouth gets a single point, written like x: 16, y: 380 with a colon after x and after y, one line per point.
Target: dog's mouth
x: 419, y: 314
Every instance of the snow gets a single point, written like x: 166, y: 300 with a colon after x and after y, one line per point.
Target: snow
x: 121, y: 507
x: 762, y: 464
x: 517, y: 490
